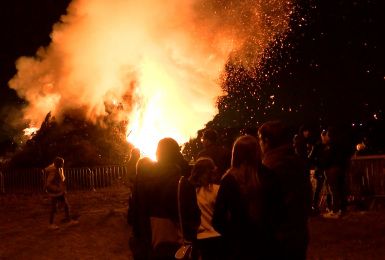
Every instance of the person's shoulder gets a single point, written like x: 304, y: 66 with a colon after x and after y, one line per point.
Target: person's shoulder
x: 228, y: 177
x: 50, y: 169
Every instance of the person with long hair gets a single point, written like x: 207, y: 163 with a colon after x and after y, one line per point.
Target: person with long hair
x: 242, y: 213
x: 162, y: 203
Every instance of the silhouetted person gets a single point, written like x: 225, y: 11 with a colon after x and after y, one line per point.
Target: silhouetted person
x: 334, y: 160
x: 131, y: 164
x: 138, y: 215
x: 208, y: 240
x: 242, y: 212
x: 56, y: 189
x: 303, y: 142
x: 220, y: 155
x: 318, y: 175
x: 294, y: 189
x: 157, y: 204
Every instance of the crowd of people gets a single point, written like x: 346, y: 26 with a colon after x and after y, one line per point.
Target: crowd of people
x: 249, y: 203
x: 252, y: 202
x: 327, y: 161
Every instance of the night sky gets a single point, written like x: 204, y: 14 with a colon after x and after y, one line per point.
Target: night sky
x: 334, y: 68
x: 340, y: 59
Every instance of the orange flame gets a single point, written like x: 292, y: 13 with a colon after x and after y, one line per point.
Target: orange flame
x: 165, y: 109
x: 174, y: 49
x: 30, y: 131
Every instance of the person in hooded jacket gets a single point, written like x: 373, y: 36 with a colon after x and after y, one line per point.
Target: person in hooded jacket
x: 56, y: 189
x: 293, y: 188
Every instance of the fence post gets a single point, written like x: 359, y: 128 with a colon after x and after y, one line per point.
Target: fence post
x: 2, y: 183
x: 91, y: 178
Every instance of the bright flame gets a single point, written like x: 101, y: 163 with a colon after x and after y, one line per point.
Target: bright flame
x: 164, y: 110
x: 30, y: 131
x: 157, y: 61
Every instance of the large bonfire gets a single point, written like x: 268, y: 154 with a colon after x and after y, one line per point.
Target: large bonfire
x: 152, y: 65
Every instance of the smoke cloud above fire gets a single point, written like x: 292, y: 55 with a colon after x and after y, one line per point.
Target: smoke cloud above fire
x: 158, y: 62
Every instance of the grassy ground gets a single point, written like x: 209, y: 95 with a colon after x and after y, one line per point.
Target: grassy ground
x: 102, y: 232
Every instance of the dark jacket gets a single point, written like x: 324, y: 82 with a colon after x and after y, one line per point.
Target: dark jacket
x: 333, y: 155
x: 294, y: 190
x: 163, y: 199
x: 244, y: 221
x: 155, y: 195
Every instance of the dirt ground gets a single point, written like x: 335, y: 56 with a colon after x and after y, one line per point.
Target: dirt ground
x: 103, y: 233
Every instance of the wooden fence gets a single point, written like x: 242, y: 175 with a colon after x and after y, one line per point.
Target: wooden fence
x: 33, y: 180
x: 366, y: 177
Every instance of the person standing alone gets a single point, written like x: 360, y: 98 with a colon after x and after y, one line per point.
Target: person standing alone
x: 56, y: 189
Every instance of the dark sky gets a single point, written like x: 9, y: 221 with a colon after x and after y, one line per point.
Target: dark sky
x: 25, y: 26
x: 336, y: 67
x: 340, y: 58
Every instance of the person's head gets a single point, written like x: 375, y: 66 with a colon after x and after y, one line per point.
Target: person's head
x: 58, y: 162
x: 144, y: 167
x: 324, y: 137
x: 245, y: 163
x: 333, y: 135
x: 168, y: 151
x: 203, y: 172
x: 135, y: 154
x: 330, y: 136
x: 304, y: 131
x: 209, y: 137
x: 246, y: 151
x: 273, y: 134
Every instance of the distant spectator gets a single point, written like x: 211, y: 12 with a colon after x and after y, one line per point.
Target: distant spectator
x: 56, y: 188
x: 220, y: 155
x: 335, y: 161
x: 294, y: 190
x: 317, y: 176
x: 303, y: 142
